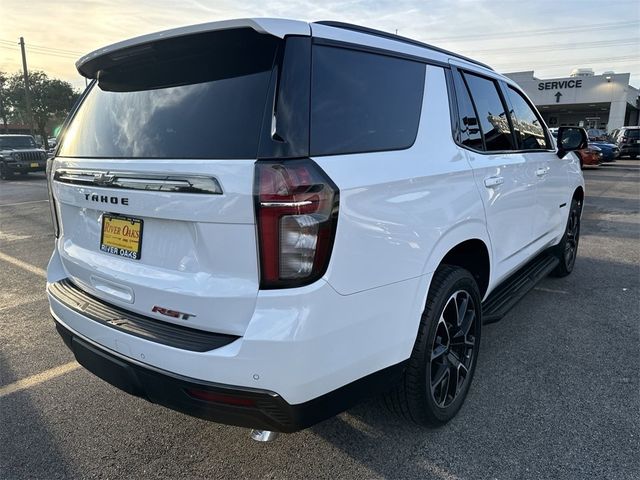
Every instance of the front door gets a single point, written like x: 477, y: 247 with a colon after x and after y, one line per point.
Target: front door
x: 549, y: 171
x: 505, y: 179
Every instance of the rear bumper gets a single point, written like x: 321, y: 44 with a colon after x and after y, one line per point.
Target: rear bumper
x: 25, y: 167
x: 301, y: 343
x: 305, y: 344
x: 232, y: 405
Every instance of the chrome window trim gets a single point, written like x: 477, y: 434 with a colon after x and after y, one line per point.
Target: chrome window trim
x: 159, y: 182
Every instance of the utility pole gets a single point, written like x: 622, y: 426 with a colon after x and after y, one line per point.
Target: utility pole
x: 2, y: 112
x: 27, y: 94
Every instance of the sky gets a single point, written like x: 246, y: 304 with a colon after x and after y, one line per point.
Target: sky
x: 550, y: 37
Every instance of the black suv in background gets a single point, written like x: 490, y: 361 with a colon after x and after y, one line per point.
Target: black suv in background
x: 628, y: 140
x: 20, y: 154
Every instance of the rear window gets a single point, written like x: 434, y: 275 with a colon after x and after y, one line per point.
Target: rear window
x: 363, y: 102
x: 199, y: 97
x: 635, y: 133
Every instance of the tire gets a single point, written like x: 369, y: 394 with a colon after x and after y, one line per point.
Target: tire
x: 425, y: 395
x: 567, y: 250
x: 4, y: 173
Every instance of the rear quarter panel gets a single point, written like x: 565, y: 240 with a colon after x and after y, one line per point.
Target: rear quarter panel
x: 401, y: 211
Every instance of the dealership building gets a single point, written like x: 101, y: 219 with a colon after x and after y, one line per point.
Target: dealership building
x: 605, y: 101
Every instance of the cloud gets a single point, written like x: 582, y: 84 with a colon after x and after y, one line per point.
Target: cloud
x: 464, y: 26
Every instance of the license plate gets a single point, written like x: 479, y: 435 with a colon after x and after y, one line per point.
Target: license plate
x: 121, y: 236
x: 34, y: 165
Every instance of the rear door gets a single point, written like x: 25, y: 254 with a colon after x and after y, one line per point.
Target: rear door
x: 153, y: 179
x: 504, y: 178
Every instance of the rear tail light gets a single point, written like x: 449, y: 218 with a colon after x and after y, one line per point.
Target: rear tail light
x: 296, y: 214
x: 52, y: 202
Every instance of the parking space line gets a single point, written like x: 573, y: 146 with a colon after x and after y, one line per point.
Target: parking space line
x: 24, y: 265
x: 12, y: 237
x: 439, y: 472
x: 22, y: 203
x: 38, y: 378
x: 29, y: 184
x: 10, y: 304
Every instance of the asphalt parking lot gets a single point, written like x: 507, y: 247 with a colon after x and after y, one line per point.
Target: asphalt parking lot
x: 556, y: 392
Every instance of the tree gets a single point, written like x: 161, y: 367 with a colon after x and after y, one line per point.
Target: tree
x: 51, y: 98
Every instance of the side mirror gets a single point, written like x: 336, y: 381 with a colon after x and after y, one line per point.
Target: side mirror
x: 570, y: 139
x: 470, y: 121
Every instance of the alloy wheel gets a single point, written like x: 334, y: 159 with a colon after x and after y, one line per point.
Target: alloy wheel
x: 571, y: 244
x: 454, y: 348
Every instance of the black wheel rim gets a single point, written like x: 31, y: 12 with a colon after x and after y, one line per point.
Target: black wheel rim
x: 573, y: 236
x: 454, y: 349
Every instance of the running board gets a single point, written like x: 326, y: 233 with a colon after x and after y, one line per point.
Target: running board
x: 514, y: 288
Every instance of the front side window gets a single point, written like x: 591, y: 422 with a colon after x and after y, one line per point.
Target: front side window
x: 491, y: 112
x: 527, y: 124
x: 363, y: 102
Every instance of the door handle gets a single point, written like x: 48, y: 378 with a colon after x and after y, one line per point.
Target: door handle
x: 541, y: 172
x: 490, y: 182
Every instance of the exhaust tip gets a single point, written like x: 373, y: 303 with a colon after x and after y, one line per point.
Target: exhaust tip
x: 263, y: 435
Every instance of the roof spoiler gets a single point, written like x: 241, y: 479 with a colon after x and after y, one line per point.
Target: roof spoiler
x: 89, y: 65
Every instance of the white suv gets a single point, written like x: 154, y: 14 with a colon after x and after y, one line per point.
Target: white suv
x: 260, y: 222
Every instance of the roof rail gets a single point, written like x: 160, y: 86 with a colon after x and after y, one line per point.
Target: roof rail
x: 399, y: 38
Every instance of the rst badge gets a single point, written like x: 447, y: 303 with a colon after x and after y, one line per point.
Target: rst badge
x: 172, y: 313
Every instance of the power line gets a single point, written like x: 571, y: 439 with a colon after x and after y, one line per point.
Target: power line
x: 38, y: 52
x: 551, y: 48
x: 61, y: 50
x: 32, y: 50
x: 528, y: 33
x: 40, y: 47
x: 534, y: 64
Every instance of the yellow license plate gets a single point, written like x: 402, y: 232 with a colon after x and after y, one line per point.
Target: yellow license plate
x: 34, y: 165
x: 121, y: 236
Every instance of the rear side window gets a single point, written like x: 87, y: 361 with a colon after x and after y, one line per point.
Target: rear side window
x: 195, y: 97
x: 527, y: 124
x: 491, y: 112
x: 363, y: 102
x: 469, y: 126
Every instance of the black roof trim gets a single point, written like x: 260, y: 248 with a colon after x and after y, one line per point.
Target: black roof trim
x: 399, y: 38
